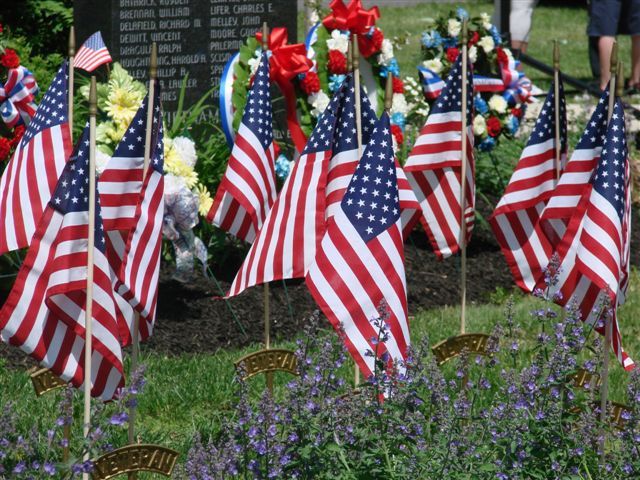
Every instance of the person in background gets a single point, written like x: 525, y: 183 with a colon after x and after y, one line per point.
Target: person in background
x: 520, y: 24
x: 606, y: 19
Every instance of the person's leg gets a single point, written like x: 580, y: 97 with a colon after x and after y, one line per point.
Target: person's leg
x: 520, y: 23
x: 634, y: 81
x: 604, y: 16
x: 605, y: 44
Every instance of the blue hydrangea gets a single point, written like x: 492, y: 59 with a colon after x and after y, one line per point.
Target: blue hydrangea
x: 283, y: 166
x: 431, y: 39
x: 462, y: 14
x: 495, y: 34
x: 449, y: 42
x: 487, y: 144
x: 512, y: 124
x: 392, y: 67
x: 399, y: 119
x: 480, y: 104
x: 335, y: 81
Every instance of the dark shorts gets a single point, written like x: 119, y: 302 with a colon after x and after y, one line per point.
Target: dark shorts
x: 612, y: 17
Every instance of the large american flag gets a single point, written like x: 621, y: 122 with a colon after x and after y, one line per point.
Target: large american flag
x: 248, y: 188
x: 92, y: 53
x: 515, y: 219
x: 434, y: 166
x: 33, y: 171
x: 45, y: 312
x: 140, y: 268
x: 360, y: 261
x: 594, y: 251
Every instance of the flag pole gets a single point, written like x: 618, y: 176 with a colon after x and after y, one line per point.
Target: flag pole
x: 463, y: 185
x: 355, y: 63
x: 88, y: 349
x: 72, y: 55
x: 135, y: 334
x: 267, y: 313
x: 556, y: 99
x: 615, y: 88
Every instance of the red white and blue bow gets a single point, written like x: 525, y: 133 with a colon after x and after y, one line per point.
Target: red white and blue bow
x: 17, y: 97
x: 517, y: 87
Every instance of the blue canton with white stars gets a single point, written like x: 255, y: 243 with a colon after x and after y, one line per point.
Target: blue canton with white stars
x: 609, y: 178
x: 321, y: 139
x: 257, y: 113
x: 346, y: 138
x: 371, y: 201
x: 450, y: 98
x: 594, y: 133
x: 72, y: 192
x: 94, y: 42
x: 53, y: 109
x: 545, y: 127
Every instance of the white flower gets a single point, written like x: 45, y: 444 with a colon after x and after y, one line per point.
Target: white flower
x: 338, y: 41
x: 101, y: 161
x: 319, y: 102
x: 386, y: 52
x: 473, y: 54
x: 186, y: 150
x: 453, y: 27
x: 486, y: 20
x: 479, y: 126
x: 399, y: 104
x: 173, y: 185
x: 487, y: 43
x: 254, y: 63
x: 434, y: 65
x: 314, y: 17
x: 498, y: 104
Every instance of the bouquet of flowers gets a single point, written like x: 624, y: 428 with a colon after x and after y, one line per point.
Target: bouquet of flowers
x: 17, y: 98
x: 501, y: 89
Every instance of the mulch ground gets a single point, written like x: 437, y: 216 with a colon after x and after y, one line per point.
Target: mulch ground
x: 191, y: 320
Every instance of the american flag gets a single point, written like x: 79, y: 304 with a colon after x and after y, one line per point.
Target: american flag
x: 286, y: 244
x: 138, y: 275
x: 515, y: 219
x: 33, y: 171
x: 92, y: 53
x: 360, y: 261
x: 434, y: 166
x: 45, y: 312
x: 248, y: 189
x: 594, y: 252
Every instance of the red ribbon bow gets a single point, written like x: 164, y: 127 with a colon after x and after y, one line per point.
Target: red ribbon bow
x: 285, y: 63
x: 356, y: 20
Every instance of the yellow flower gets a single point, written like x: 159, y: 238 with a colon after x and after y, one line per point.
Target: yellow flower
x: 122, y: 105
x: 173, y: 164
x: 204, y: 198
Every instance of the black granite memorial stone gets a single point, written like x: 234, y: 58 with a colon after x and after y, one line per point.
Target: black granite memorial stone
x: 194, y: 37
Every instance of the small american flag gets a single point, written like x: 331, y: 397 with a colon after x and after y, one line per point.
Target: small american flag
x: 45, y: 312
x: 33, y: 171
x: 434, y: 166
x: 92, y: 53
x: 360, y: 261
x: 515, y: 219
x: 248, y: 189
x: 594, y: 251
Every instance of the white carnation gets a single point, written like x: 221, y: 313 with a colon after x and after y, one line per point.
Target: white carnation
x: 453, y: 27
x: 386, y: 53
x: 186, y: 150
x: 498, y: 104
x: 319, y: 102
x: 338, y: 41
x: 399, y: 104
x: 487, y: 43
x: 486, y: 20
x: 473, y: 54
x: 254, y: 63
x: 479, y: 126
x: 434, y: 65
x: 101, y: 161
x: 173, y: 185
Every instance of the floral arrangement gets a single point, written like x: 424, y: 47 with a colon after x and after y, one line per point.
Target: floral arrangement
x: 501, y: 89
x: 17, y: 98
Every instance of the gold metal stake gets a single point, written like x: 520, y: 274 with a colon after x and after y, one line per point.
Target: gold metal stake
x: 463, y: 184
x: 135, y: 340
x: 88, y: 340
x: 556, y: 97
x: 72, y: 55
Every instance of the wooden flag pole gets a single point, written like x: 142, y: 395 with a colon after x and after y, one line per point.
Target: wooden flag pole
x: 463, y: 185
x: 556, y: 98
x: 72, y: 56
x: 88, y: 349
x: 604, y: 388
x: 355, y: 62
x: 135, y: 334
